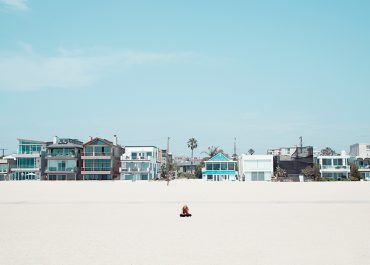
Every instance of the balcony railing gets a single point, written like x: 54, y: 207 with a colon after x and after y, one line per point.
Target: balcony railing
x: 61, y: 169
x: 96, y: 154
x: 61, y: 155
x: 96, y: 169
x: 334, y: 167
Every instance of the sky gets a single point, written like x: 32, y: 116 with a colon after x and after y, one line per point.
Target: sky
x: 265, y: 72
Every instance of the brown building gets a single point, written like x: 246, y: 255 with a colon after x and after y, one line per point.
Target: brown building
x: 101, y: 159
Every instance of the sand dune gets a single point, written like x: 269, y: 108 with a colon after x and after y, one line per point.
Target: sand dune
x: 137, y: 223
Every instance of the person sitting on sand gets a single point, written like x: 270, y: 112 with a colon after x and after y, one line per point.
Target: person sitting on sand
x: 185, y: 211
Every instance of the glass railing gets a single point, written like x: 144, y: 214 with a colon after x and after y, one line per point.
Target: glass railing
x: 96, y: 154
x: 62, y: 155
x: 62, y: 169
x: 26, y: 166
x: 96, y: 169
x: 335, y: 167
x: 29, y: 152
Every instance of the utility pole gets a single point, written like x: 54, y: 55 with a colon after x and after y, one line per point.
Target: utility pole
x: 234, y: 149
x: 301, y: 143
x: 3, y: 149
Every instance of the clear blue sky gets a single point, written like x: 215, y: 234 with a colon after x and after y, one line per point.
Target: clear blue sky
x: 266, y: 72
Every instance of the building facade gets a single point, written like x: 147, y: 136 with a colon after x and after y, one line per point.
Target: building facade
x: 140, y: 163
x: 293, y: 160
x: 219, y: 168
x: 101, y: 159
x: 256, y: 167
x: 30, y: 160
x: 334, y: 167
x: 6, y: 164
x: 64, y: 159
x: 360, y: 154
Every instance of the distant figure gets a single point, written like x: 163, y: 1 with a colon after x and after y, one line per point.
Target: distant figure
x: 185, y: 211
x: 168, y: 181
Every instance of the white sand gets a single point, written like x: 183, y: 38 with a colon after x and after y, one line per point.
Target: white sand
x: 137, y: 223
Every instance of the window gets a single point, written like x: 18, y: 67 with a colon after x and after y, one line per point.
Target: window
x: 338, y: 162
x: 326, y: 162
x: 209, y: 166
x: 223, y: 166
x: 209, y: 177
x: 216, y: 166
x: 261, y: 176
x: 134, y: 155
x: 254, y: 176
x: 231, y: 166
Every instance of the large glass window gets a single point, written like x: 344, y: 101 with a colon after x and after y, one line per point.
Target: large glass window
x: 231, y: 166
x: 88, y: 150
x: 326, y: 162
x: 216, y: 166
x: 209, y: 166
x: 338, y: 162
x: 224, y: 166
x: 26, y: 162
x: 134, y: 155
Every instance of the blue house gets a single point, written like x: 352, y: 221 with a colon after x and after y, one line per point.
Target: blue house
x: 219, y: 168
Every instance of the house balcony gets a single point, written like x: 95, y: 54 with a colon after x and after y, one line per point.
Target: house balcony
x: 25, y: 169
x: 61, y: 156
x: 61, y: 170
x: 133, y: 170
x: 28, y: 155
x: 95, y: 171
x: 95, y: 155
x: 338, y: 168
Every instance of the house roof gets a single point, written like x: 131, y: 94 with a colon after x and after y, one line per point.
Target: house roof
x: 220, y: 157
x: 67, y: 145
x: 98, y: 139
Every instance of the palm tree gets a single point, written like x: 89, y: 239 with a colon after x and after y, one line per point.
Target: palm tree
x: 327, y: 151
x: 192, y: 144
x: 251, y: 151
x: 213, y: 150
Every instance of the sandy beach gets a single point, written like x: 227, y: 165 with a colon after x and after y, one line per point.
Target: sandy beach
x: 138, y: 223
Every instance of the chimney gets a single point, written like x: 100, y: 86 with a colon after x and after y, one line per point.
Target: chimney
x: 90, y: 138
x: 115, y: 141
x: 55, y: 140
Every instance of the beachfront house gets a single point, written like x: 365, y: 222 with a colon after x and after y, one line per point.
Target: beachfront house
x: 30, y: 160
x: 256, y: 167
x: 293, y: 160
x: 140, y: 163
x: 360, y: 154
x: 335, y: 166
x: 101, y: 159
x: 63, y: 159
x: 6, y: 164
x: 219, y: 168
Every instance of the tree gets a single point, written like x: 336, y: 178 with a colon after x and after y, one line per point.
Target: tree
x: 354, y: 175
x: 213, y: 150
x: 312, y: 173
x: 251, y: 151
x: 280, y: 174
x: 327, y: 151
x: 192, y: 144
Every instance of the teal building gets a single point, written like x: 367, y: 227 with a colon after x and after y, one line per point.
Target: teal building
x: 219, y: 168
x: 30, y: 160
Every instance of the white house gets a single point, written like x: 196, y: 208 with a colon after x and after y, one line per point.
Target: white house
x: 336, y: 167
x: 360, y: 153
x: 140, y: 163
x: 256, y: 167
